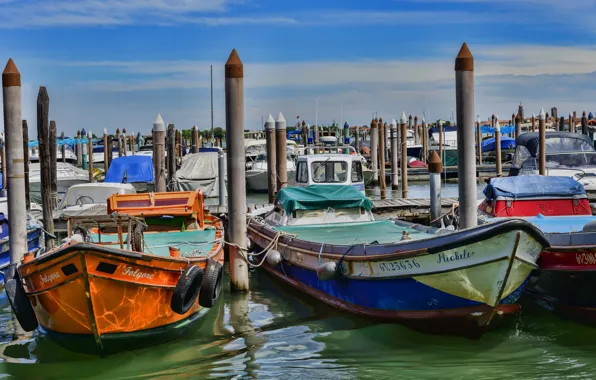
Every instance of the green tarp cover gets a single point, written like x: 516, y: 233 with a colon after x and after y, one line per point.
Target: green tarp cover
x: 317, y: 197
x: 383, y: 231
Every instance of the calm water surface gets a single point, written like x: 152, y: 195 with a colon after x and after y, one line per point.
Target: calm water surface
x: 273, y: 332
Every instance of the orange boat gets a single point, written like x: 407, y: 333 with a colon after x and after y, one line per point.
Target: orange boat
x: 135, y: 277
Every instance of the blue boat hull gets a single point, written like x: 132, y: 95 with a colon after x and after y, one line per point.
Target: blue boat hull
x: 33, y: 244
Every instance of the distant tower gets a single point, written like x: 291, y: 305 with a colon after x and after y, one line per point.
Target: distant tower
x: 520, y: 111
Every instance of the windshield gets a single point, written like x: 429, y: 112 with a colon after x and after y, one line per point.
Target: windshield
x: 573, y: 160
x: 329, y: 171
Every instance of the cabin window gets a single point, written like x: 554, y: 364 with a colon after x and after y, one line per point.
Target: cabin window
x: 329, y: 171
x: 302, y: 172
x: 356, y: 171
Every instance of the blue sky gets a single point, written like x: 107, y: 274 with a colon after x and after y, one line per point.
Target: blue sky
x: 117, y: 63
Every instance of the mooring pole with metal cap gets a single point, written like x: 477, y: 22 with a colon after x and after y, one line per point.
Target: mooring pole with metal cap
x: 404, y: 156
x: 518, y: 129
x: 90, y: 155
x: 542, y: 142
x: 159, y: 143
x: 124, y: 142
x: 271, y: 158
x: 499, y: 165
x: 464, y: 97
x: 533, y: 123
x: 84, y: 148
x: 571, y: 123
x: 435, y: 167
x: 234, y: 88
x: 79, y: 150
x: 394, y: 153
x: 195, y: 139
x: 280, y: 147
x: 424, y: 140
x: 374, y: 151
x: 106, y: 149
x: 15, y: 170
x: 382, y: 179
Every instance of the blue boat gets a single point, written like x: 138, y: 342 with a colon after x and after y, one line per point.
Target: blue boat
x: 325, y: 241
x: 136, y: 169
x: 33, y: 243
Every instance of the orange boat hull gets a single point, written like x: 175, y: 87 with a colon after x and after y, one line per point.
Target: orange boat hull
x: 100, y: 292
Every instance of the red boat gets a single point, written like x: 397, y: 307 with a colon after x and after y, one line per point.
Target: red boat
x: 565, y: 282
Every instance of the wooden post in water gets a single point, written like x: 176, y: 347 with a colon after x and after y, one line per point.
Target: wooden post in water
x: 47, y: 197
x: 171, y: 156
x: 571, y: 123
x: 404, y: 156
x: 416, y: 131
x: 542, y: 142
x: 63, y: 147
x: 357, y: 139
x: 124, y: 142
x: 440, y: 125
x: 195, y: 139
x: 479, y: 141
x: 424, y: 141
x: 280, y: 146
x: 79, y: 150
x: 435, y: 168
x: 382, y: 179
x: 464, y: 100
x: 394, y: 155
x: 26, y: 164
x: 533, y: 123
x: 518, y: 128
x: 234, y: 90
x: 562, y: 123
x: 499, y: 165
x: 374, y: 151
x: 584, y: 124
x: 111, y: 150
x: 118, y: 142
x: 159, y: 136
x: 271, y: 158
x: 53, y: 163
x: 12, y: 106
x: 3, y: 158
x: 90, y: 155
x: 106, y: 148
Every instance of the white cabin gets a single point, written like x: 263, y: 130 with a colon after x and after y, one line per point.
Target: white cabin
x: 329, y: 169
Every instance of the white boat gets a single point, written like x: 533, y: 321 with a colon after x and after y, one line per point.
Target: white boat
x: 257, y: 175
x: 71, y: 157
x: 67, y: 175
x: 329, y: 169
x: 83, y: 197
x: 201, y: 171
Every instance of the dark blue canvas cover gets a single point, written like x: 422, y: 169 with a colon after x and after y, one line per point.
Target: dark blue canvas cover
x: 529, y: 186
x: 137, y: 168
x: 489, y: 145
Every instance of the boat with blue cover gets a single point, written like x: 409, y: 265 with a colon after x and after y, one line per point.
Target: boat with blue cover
x: 559, y: 207
x: 34, y: 236
x: 325, y: 241
x: 136, y: 169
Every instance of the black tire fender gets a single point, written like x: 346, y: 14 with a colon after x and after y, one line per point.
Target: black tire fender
x: 187, y: 290
x: 212, y: 281
x: 19, y: 302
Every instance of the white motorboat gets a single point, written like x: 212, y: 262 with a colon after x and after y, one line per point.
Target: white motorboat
x: 257, y: 175
x: 67, y: 175
x: 83, y: 197
x: 329, y: 169
x: 71, y: 157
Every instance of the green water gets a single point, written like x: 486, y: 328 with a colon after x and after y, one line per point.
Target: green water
x: 276, y: 333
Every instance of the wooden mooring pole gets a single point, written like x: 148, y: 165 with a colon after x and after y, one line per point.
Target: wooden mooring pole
x: 12, y: 106
x: 435, y: 168
x: 281, y: 146
x: 84, y: 149
x: 106, y: 148
x: 63, y: 147
x: 195, y: 139
x: 53, y: 163
x: 404, y: 156
x: 90, y: 155
x: 159, y: 136
x: 394, y: 156
x: 382, y: 140
x: 542, y: 142
x: 518, y: 128
x: 26, y: 163
x: 3, y: 158
x: 47, y: 197
x: 479, y: 141
x: 271, y: 158
x: 234, y: 90
x: 79, y: 150
x: 374, y: 151
x: 171, y: 156
x: 499, y: 165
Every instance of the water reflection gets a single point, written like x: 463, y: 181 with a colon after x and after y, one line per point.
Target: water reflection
x: 276, y: 332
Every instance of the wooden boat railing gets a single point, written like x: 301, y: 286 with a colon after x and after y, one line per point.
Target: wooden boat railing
x: 101, y: 222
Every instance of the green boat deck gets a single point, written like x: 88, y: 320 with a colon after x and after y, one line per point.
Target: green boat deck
x: 379, y: 232
x: 191, y: 243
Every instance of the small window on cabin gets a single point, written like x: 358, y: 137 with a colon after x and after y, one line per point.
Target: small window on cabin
x: 302, y: 172
x: 330, y: 171
x: 356, y: 171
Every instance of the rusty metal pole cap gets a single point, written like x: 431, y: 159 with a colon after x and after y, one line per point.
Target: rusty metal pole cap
x: 434, y: 163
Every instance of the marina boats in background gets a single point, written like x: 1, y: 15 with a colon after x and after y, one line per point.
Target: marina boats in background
x: 136, y: 169
x: 137, y: 276
x: 489, y: 149
x: 567, y: 154
x: 347, y: 151
x: 257, y: 176
x: 334, y: 169
x: 71, y: 156
x: 559, y: 207
x: 201, y: 171
x: 324, y: 241
x: 86, y: 196
x: 67, y: 175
